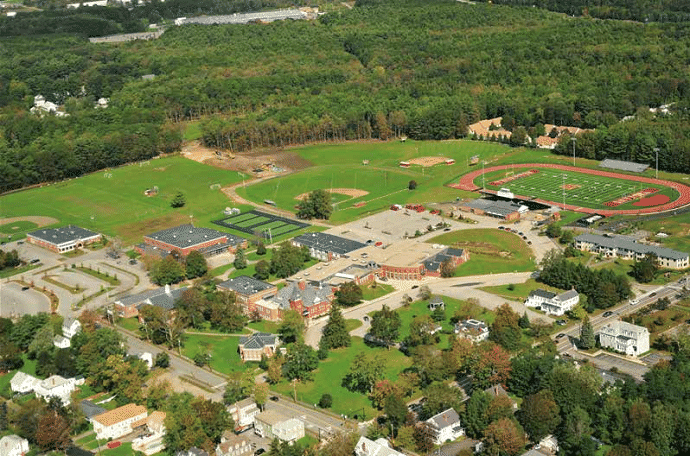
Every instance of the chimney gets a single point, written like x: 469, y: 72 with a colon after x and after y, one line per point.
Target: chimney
x: 302, y: 285
x: 167, y: 289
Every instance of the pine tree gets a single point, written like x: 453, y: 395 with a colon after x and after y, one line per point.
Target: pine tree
x: 524, y: 322
x: 335, y: 333
x: 240, y: 260
x: 587, y: 339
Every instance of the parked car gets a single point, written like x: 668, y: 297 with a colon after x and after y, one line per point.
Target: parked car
x: 259, y: 451
x: 34, y: 261
x: 608, y: 313
x: 501, y: 227
x: 561, y: 322
x: 560, y: 336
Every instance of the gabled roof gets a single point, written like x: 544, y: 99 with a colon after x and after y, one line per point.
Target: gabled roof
x: 245, y: 285
x: 445, y: 419
x: 310, y: 295
x: 622, y: 242
x: 541, y: 293
x: 21, y: 377
x: 120, y: 414
x: 167, y: 300
x: 258, y: 341
x: 90, y: 409
x: 139, y: 297
x: 380, y: 447
x: 433, y: 263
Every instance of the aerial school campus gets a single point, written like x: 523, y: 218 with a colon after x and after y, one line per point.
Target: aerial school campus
x: 417, y: 226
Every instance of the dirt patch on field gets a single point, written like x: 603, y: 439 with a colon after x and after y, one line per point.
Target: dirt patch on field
x: 38, y: 220
x: 351, y: 192
x: 652, y: 201
x: 268, y: 161
x: 570, y: 186
x: 427, y: 161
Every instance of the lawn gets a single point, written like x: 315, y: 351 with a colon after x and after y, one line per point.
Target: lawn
x: 340, y: 166
x: 328, y: 377
x: 369, y: 293
x: 223, y: 350
x: 130, y: 324
x: 96, y: 201
x: 519, y: 291
x: 587, y: 190
x: 17, y: 230
x: 677, y: 227
x: 491, y: 251
x: 265, y: 326
x: 9, y: 272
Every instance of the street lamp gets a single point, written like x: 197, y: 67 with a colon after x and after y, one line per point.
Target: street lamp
x: 656, y: 149
x: 573, y: 139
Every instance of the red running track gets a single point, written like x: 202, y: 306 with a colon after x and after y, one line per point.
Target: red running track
x: 467, y: 183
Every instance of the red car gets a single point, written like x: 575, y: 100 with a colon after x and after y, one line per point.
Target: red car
x: 114, y: 444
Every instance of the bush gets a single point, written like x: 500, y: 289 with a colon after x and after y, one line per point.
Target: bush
x: 162, y: 360
x: 326, y: 401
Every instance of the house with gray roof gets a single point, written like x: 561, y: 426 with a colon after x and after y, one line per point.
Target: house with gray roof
x: 446, y: 426
x: 625, y: 338
x: 163, y: 297
x: 90, y: 409
x: 252, y: 347
x: 627, y: 248
x: 188, y: 238
x: 553, y: 303
x: 474, y: 330
x: 63, y: 239
x: 326, y: 247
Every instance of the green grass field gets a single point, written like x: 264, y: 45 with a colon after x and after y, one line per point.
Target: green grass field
x: 491, y: 251
x: 382, y: 289
x: 589, y: 190
x: 17, y: 227
x: 223, y: 350
x: 117, y: 206
x: 340, y: 166
x: 328, y: 377
x: 519, y: 291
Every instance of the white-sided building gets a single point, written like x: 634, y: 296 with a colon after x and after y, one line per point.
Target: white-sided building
x: 624, y: 338
x: 626, y: 248
x: 151, y: 441
x: 57, y: 386
x: 381, y: 447
x: 243, y: 412
x: 70, y: 327
x: 446, y: 426
x: 13, y: 445
x: 474, y: 330
x: 118, y: 422
x: 23, y: 383
x: 271, y: 424
x: 552, y: 303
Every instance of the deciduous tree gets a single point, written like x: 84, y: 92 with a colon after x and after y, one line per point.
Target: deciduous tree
x: 539, y: 415
x: 504, y: 437
x: 292, y: 327
x: 385, y: 325
x: 505, y: 329
x: 300, y: 361
x: 316, y: 205
x: 349, y: 294
x: 195, y: 265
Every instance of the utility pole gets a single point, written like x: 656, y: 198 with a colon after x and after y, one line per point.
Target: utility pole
x: 656, y: 149
x: 573, y: 139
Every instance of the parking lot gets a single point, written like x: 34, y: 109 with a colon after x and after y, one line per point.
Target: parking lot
x: 14, y: 301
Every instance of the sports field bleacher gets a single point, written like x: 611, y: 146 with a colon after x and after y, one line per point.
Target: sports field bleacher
x: 623, y: 165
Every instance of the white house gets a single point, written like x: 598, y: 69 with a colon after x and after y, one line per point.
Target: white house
x: 23, y: 383
x: 234, y: 445
x: 271, y: 424
x: 13, y: 445
x: 380, y: 447
x: 243, y: 412
x: 151, y: 442
x: 472, y: 329
x: 70, y: 327
x: 146, y: 357
x: 118, y: 422
x: 446, y: 426
x: 61, y: 341
x: 56, y: 386
x: 552, y: 303
x: 624, y: 338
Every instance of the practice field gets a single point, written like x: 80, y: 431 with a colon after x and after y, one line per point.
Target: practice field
x: 254, y: 222
x: 113, y: 201
x: 584, y: 190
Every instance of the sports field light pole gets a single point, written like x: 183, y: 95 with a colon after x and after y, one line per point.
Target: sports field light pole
x: 573, y: 139
x: 656, y: 149
x: 563, y: 188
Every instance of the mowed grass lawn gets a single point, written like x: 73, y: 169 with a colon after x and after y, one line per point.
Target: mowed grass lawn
x: 519, y: 291
x: 117, y: 205
x: 585, y: 190
x: 223, y: 350
x: 491, y: 251
x: 329, y: 376
x: 340, y: 166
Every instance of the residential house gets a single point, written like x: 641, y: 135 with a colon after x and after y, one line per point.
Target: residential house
x: 57, y: 386
x: 552, y: 303
x: 70, y: 327
x: 472, y: 329
x: 63, y: 239
x: 252, y: 347
x: 151, y: 440
x: 446, y: 426
x: 497, y: 390
x: 436, y: 303
x: 118, y: 422
x: 624, y: 338
x: 23, y: 383
x: 271, y: 424
x: 13, y: 445
x: 193, y: 451
x: 488, y: 128
x: 380, y: 447
x: 61, y: 341
x: 146, y: 357
x: 243, y: 412
x: 163, y: 297
x: 627, y: 248
x: 326, y: 247
x: 234, y: 445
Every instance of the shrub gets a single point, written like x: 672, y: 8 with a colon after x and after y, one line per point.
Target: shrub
x: 326, y: 401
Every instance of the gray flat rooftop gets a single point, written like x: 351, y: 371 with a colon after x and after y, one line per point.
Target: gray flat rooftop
x: 57, y: 236
x: 245, y: 285
x: 328, y: 243
x: 185, y: 236
x: 499, y: 207
x: 624, y: 243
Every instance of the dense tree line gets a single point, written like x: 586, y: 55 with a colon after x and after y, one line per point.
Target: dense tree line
x: 423, y: 69
x: 603, y: 287
x: 637, y: 10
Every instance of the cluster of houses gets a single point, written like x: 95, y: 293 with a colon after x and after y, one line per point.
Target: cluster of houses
x: 627, y: 248
x: 53, y: 386
x: 493, y: 128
